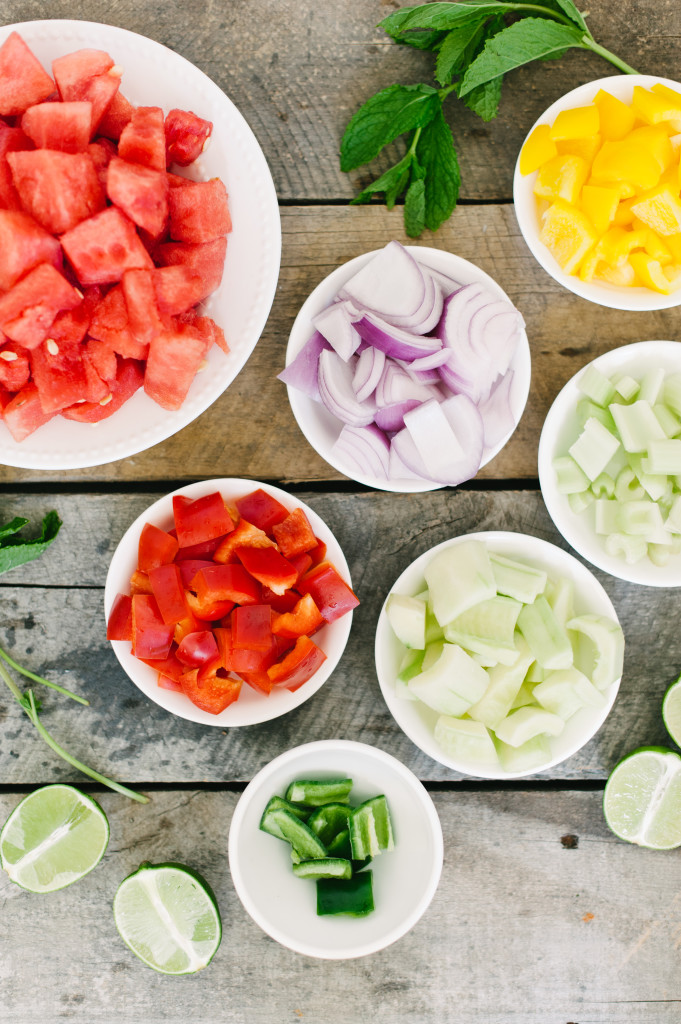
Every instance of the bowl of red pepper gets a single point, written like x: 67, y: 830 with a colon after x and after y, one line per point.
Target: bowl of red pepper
x: 229, y: 602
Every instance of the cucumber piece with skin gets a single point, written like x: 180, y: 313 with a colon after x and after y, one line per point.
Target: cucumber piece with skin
x: 407, y: 617
x: 452, y: 683
x: 315, y: 793
x: 531, y: 754
x: 606, y: 655
x: 545, y: 636
x: 459, y: 577
x: 464, y: 738
x: 504, y: 684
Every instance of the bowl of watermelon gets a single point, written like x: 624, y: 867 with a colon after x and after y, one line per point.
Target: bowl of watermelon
x: 139, y: 243
x: 229, y: 602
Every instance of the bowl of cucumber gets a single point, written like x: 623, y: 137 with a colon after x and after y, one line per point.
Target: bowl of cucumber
x: 498, y: 654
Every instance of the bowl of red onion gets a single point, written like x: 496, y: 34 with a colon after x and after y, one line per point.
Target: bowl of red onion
x: 408, y: 368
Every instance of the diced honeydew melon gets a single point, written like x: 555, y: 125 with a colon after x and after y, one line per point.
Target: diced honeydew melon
x: 606, y: 653
x: 560, y: 594
x: 452, y: 683
x: 524, y: 696
x: 631, y: 549
x: 587, y: 410
x: 486, y: 627
x: 431, y: 654
x: 603, y: 486
x: 410, y: 665
x: 664, y: 457
x: 524, y: 724
x: 546, y: 637
x: 605, y: 516
x: 532, y: 754
x: 517, y: 580
x: 459, y: 577
x: 487, y: 660
x: 669, y: 421
x: 502, y: 689
x: 651, y: 385
x: 487, y: 652
x: 627, y: 387
x: 407, y: 617
x: 594, y: 448
x: 659, y: 554
x: 628, y: 486
x: 570, y: 479
x: 596, y: 386
x: 535, y: 673
x: 559, y: 693
x: 637, y: 425
x: 580, y: 502
x: 463, y: 738
x: 402, y: 690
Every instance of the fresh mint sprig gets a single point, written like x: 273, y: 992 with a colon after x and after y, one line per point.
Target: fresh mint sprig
x: 474, y: 46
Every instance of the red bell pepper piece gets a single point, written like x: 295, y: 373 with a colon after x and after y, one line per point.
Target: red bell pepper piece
x: 251, y: 627
x: 304, y: 620
x: 201, y: 520
x: 202, y: 551
x: 280, y: 603
x: 198, y: 649
x: 119, y: 626
x: 213, y: 693
x: 331, y: 593
x: 298, y: 665
x: 156, y: 547
x: 268, y: 566
x: 151, y: 636
x: 226, y: 583
x: 301, y: 563
x: 169, y: 668
x: 166, y: 683
x: 246, y: 535
x: 140, y: 583
x: 261, y: 509
x: 294, y: 535
x: 166, y: 585
x: 207, y: 609
x: 189, y: 568
x: 259, y: 681
x: 190, y: 624
x: 318, y: 553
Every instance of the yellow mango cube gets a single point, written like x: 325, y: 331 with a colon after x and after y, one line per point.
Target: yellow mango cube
x: 650, y: 273
x: 577, y: 123
x: 567, y: 234
x: 656, y: 142
x: 600, y: 205
x: 616, y: 118
x: 561, y: 178
x: 659, y: 209
x: 537, y: 150
x: 586, y: 148
x: 626, y: 161
x: 654, y: 107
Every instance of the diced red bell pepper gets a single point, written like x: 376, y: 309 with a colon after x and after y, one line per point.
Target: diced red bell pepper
x: 251, y: 627
x: 226, y: 583
x: 318, y: 553
x: 189, y: 567
x: 213, y: 693
x: 294, y: 535
x: 298, y: 665
x: 201, y: 551
x: 206, y: 608
x: 268, y: 566
x: 119, y: 626
x: 301, y: 563
x: 200, y: 520
x: 245, y: 535
x: 166, y: 683
x: 166, y: 585
x: 259, y: 681
x: 140, y: 583
x: 198, y: 649
x: 304, y: 620
x: 156, y: 547
x: 280, y: 603
x: 190, y: 624
x: 170, y: 667
x: 331, y: 593
x: 261, y: 509
x: 151, y: 636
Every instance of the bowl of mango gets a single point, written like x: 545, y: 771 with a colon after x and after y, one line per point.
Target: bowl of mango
x: 597, y: 191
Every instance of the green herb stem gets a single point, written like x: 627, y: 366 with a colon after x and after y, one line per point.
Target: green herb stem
x: 544, y: 12
x: 14, y: 689
x: 40, y: 679
x: 591, y: 44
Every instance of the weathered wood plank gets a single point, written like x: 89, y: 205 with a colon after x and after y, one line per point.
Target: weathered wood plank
x: 250, y: 431
x: 528, y: 926
x: 52, y: 617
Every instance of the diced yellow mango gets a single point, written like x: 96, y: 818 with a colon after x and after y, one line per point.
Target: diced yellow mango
x: 650, y: 273
x: 561, y: 178
x: 577, y: 123
x: 567, y: 234
x: 623, y: 276
x: 616, y: 117
x: 585, y: 148
x: 659, y: 209
x: 600, y: 205
x: 656, y: 142
x: 626, y: 161
x: 537, y: 150
x: 653, y: 107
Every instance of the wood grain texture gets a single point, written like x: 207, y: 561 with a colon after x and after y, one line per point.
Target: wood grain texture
x: 523, y: 929
x: 52, y: 621
x: 250, y: 431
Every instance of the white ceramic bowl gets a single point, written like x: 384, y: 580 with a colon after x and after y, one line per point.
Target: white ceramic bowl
x: 251, y: 707
x: 621, y: 86
x: 155, y: 75
x: 321, y: 428
x: 404, y: 880
x: 418, y: 721
x: 558, y: 433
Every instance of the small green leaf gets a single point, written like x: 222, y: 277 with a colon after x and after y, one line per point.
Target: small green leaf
x: 454, y: 47
x: 441, y: 16
x: 13, y: 527
x: 573, y: 14
x: 391, y: 112
x: 397, y: 189
x: 415, y: 208
x: 522, y: 42
x: 484, y: 99
x: 420, y: 38
x: 437, y: 156
x: 16, y: 551
x: 388, y: 183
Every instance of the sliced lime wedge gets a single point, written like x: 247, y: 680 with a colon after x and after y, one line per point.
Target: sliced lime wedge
x: 168, y: 916
x: 642, y: 798
x: 55, y: 836
x: 671, y: 711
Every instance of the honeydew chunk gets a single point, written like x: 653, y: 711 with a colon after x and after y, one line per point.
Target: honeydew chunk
x: 546, y: 637
x: 580, y: 502
x: 567, y: 691
x: 605, y: 653
x: 461, y: 737
x: 524, y: 724
x: 524, y: 696
x: 624, y: 545
x: 561, y: 597
x: 596, y: 386
x: 603, y: 486
x: 627, y: 387
x: 594, y: 448
x: 637, y: 425
x: 431, y: 654
x: 459, y: 577
x: 452, y: 683
x: 664, y: 457
x: 516, y: 579
x: 570, y: 479
x: 410, y: 665
x: 504, y: 684
x: 525, y: 757
x: 651, y: 385
x: 487, y: 628
x: 659, y: 554
x: 535, y: 673
x: 407, y: 617
x: 605, y: 516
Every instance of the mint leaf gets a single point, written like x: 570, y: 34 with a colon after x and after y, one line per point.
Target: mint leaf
x: 437, y: 156
x: 13, y: 527
x: 17, y: 550
x: 391, y: 112
x: 397, y: 188
x: 387, y: 182
x: 420, y: 38
x: 415, y: 208
x: 441, y: 15
x: 522, y: 42
x: 573, y: 14
x: 484, y: 99
x: 451, y: 54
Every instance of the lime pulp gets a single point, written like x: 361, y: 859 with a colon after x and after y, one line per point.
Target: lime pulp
x: 642, y: 799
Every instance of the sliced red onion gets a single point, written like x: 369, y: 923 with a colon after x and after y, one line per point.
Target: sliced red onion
x: 494, y: 333
x: 468, y: 371
x: 368, y: 370
x: 447, y: 284
x: 391, y: 282
x: 426, y: 317
x: 442, y: 441
x: 421, y: 376
x: 395, y: 342
x: 396, y: 386
x: 301, y: 372
x: 497, y: 415
x: 336, y: 391
x: 429, y: 362
x: 335, y: 324
x: 398, y: 470
x: 365, y: 450
x: 391, y: 417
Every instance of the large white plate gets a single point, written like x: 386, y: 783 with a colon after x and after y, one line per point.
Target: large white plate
x: 154, y: 75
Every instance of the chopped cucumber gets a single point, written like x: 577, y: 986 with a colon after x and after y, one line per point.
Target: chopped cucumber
x: 504, y: 684
x: 606, y: 653
x: 330, y: 867
x: 459, y: 577
x: 531, y: 754
x: 516, y: 579
x: 407, y: 616
x: 487, y: 628
x: 526, y: 723
x: 460, y: 737
x: 452, y: 684
x: 546, y: 637
x: 313, y: 793
x: 558, y: 693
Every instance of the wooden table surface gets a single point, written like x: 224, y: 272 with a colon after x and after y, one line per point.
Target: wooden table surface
x: 542, y: 916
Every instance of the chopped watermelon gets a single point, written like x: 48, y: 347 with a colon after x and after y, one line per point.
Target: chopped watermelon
x: 23, y: 79
x: 88, y: 75
x: 143, y: 139
x: 117, y: 115
x: 207, y: 259
x: 23, y: 244
x: 186, y: 137
x: 62, y: 126
x: 59, y: 189
x: 129, y: 379
x: 141, y: 192
x: 173, y: 361
x: 15, y: 368
x: 101, y: 248
x: 12, y: 140
x: 28, y: 309
x: 97, y: 389
x: 207, y: 328
x: 24, y: 414
x: 111, y: 324
x: 103, y: 358
x: 199, y: 211
x: 71, y: 325
x: 144, y: 317
x: 59, y: 375
x: 177, y: 289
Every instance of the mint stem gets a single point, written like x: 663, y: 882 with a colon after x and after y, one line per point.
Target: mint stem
x: 545, y: 12
x: 39, y: 679
x: 590, y: 44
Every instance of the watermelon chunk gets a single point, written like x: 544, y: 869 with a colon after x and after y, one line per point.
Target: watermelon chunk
x: 88, y: 75
x: 143, y: 139
x: 59, y: 189
x: 62, y: 126
x: 71, y: 325
x: 186, y: 136
x: 103, y: 358
x: 140, y: 298
x: 24, y: 414
x: 177, y: 288
x: 207, y: 259
x: 15, y: 368
x: 97, y: 388
x: 141, y: 192
x: 102, y: 152
x: 12, y: 140
x: 199, y: 211
x: 174, y: 358
x: 117, y: 115
x: 23, y: 79
x: 207, y: 328
x: 129, y: 379
x: 28, y: 309
x: 111, y: 324
x: 101, y: 248
x: 23, y: 245
x: 59, y: 375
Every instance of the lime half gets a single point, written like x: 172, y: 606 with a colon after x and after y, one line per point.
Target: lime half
x: 168, y: 916
x: 642, y: 798
x: 55, y: 836
x: 671, y: 711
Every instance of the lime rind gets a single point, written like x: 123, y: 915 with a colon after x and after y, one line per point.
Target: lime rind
x: 642, y: 798
x: 671, y: 711
x: 54, y: 837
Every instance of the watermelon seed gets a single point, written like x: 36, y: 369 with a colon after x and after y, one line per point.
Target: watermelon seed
x: 9, y: 357
x: 105, y: 401
x: 203, y: 366
x: 52, y: 347
x: 116, y: 71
